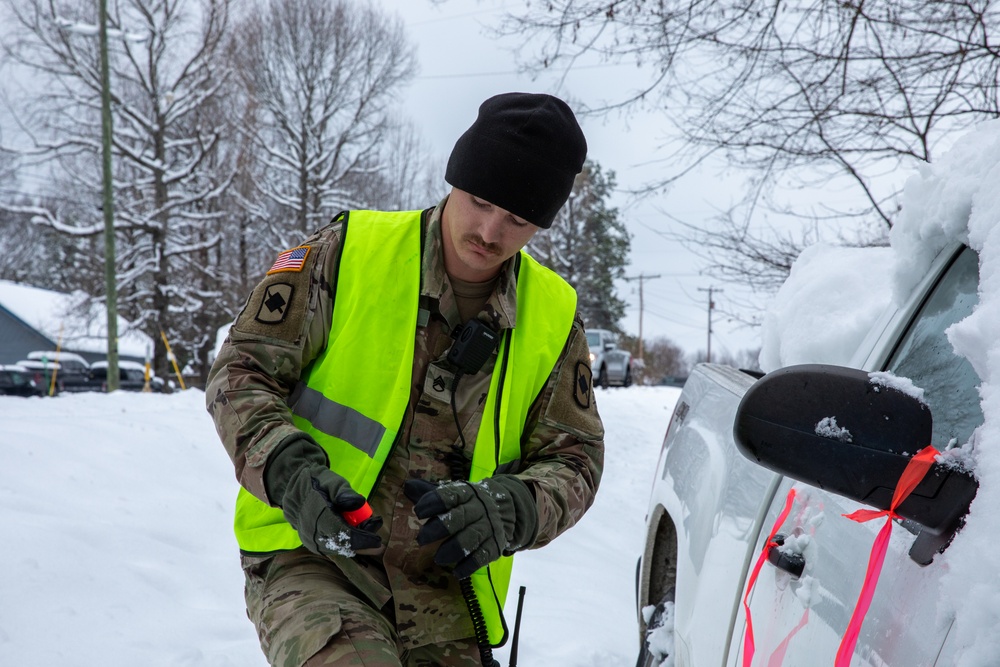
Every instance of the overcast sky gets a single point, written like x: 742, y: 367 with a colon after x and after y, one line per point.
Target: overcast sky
x: 461, y: 64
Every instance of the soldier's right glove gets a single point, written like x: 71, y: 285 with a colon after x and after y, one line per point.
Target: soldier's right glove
x: 314, y: 498
x: 479, y: 522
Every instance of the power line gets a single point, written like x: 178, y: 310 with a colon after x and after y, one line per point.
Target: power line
x: 470, y: 75
x: 668, y: 300
x: 673, y: 321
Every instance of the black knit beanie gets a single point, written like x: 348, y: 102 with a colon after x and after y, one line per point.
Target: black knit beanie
x: 522, y: 154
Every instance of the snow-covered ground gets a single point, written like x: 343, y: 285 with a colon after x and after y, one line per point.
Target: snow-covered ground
x: 116, y: 511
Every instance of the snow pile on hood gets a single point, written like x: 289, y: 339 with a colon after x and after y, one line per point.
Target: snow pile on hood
x: 808, y: 322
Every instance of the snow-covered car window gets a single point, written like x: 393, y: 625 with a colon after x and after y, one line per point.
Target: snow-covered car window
x: 926, y: 356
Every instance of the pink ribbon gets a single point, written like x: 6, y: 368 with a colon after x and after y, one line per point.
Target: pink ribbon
x: 915, y: 471
x: 748, y: 644
x: 778, y: 657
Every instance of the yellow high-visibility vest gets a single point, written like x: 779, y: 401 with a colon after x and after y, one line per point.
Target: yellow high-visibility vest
x: 352, y: 400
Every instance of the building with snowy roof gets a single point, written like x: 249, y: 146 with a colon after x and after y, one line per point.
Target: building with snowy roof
x: 34, y: 319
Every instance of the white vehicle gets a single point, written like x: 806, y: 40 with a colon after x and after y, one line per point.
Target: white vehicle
x: 610, y: 364
x: 712, y: 507
x: 839, y: 435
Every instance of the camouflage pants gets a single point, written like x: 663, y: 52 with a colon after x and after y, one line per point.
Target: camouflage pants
x: 308, y: 614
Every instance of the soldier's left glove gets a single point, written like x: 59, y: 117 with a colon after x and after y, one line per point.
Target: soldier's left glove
x: 478, y: 521
x: 314, y: 500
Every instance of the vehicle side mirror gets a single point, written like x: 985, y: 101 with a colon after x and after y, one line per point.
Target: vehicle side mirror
x: 837, y: 429
x: 608, y: 347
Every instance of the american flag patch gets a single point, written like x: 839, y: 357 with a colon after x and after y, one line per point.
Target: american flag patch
x: 290, y: 260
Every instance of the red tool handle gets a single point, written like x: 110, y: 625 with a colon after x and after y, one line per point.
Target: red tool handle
x: 358, y: 516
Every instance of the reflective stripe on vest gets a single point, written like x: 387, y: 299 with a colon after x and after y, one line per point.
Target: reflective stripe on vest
x: 353, y: 398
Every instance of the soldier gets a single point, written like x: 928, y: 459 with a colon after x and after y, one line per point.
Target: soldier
x: 423, y: 362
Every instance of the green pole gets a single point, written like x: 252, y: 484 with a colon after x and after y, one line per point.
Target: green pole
x: 109, y: 215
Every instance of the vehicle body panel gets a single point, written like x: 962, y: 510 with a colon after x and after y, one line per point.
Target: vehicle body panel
x: 901, y: 629
x: 131, y: 377
x: 712, y: 493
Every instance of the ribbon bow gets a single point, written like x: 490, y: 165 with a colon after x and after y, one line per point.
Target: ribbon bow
x: 913, y: 474
x: 915, y: 471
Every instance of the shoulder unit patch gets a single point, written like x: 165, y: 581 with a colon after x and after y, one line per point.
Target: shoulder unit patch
x: 274, y: 306
x: 583, y: 385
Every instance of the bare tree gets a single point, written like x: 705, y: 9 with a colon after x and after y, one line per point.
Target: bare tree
x: 401, y: 176
x: 843, y: 88
x: 164, y: 74
x: 324, y: 78
x: 41, y: 257
x: 661, y: 359
x: 759, y: 257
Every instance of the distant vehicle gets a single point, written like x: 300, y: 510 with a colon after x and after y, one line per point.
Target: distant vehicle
x: 673, y: 380
x: 131, y: 377
x: 610, y: 364
x: 68, y: 361
x: 41, y: 372
x: 17, y: 381
x: 72, y: 369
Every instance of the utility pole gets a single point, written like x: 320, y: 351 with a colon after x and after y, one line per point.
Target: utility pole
x: 641, y: 278
x: 711, y: 307
x: 108, y: 200
x: 110, y: 286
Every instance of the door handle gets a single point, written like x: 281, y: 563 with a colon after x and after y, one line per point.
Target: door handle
x: 792, y: 563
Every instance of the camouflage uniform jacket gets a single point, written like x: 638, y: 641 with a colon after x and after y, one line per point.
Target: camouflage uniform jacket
x: 271, y: 342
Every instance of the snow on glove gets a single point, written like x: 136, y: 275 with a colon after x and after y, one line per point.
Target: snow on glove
x: 314, y: 498
x: 478, y: 521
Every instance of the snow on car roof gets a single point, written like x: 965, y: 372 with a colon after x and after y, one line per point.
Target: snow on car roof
x: 53, y: 355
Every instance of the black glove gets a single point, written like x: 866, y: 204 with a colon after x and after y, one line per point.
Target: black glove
x: 482, y: 520
x: 313, y: 498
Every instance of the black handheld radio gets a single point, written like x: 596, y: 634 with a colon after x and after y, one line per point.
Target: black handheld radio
x: 474, y: 343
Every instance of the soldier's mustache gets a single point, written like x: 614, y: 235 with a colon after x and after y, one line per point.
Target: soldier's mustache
x: 478, y: 240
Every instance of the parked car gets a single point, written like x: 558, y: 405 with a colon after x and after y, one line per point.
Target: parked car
x: 610, y: 364
x: 131, y: 377
x: 737, y: 444
x: 72, y: 371
x: 41, y: 373
x: 17, y: 381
